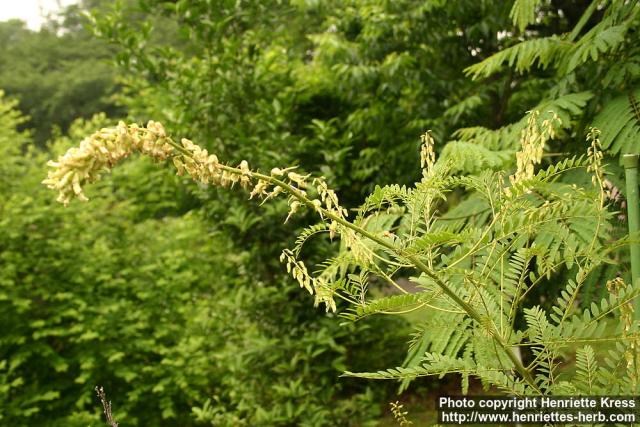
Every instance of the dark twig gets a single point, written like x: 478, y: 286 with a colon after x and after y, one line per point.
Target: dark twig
x: 106, y: 405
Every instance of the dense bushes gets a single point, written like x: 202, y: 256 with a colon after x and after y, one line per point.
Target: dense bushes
x: 97, y: 299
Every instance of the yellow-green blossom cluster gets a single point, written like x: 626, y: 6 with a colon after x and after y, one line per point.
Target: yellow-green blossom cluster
x: 400, y: 414
x: 595, y: 156
x: 99, y: 153
x: 206, y: 168
x: 298, y: 270
x: 427, y: 152
x: 104, y: 149
x: 329, y: 198
x: 533, y: 139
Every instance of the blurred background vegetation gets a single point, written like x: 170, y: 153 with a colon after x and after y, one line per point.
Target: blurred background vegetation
x: 170, y: 295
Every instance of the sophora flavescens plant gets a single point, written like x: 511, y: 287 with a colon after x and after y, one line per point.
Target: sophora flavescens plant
x: 475, y: 263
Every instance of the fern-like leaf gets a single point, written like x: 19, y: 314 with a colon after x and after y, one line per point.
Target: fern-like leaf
x: 619, y: 124
x: 586, y: 371
x: 390, y: 305
x: 522, y: 56
x: 523, y: 13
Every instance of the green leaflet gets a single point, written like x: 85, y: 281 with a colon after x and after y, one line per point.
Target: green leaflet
x: 619, y: 123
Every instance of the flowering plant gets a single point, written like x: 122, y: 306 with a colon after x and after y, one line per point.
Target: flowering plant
x: 475, y: 271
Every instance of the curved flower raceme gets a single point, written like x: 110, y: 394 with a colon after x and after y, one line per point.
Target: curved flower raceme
x: 101, y: 151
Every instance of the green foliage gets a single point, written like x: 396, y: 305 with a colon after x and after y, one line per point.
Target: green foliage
x: 523, y: 13
x: 339, y: 87
x: 79, y: 311
x: 598, y: 55
x: 12, y: 141
x: 619, y: 122
x: 228, y: 58
x: 342, y: 88
x: 478, y: 280
x: 58, y: 74
x: 140, y: 301
x: 522, y: 57
x: 539, y: 230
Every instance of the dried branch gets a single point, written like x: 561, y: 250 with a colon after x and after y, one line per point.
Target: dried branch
x: 106, y: 405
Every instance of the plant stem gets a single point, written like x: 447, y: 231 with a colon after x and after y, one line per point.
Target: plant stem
x: 583, y: 20
x: 630, y: 162
x: 470, y: 310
